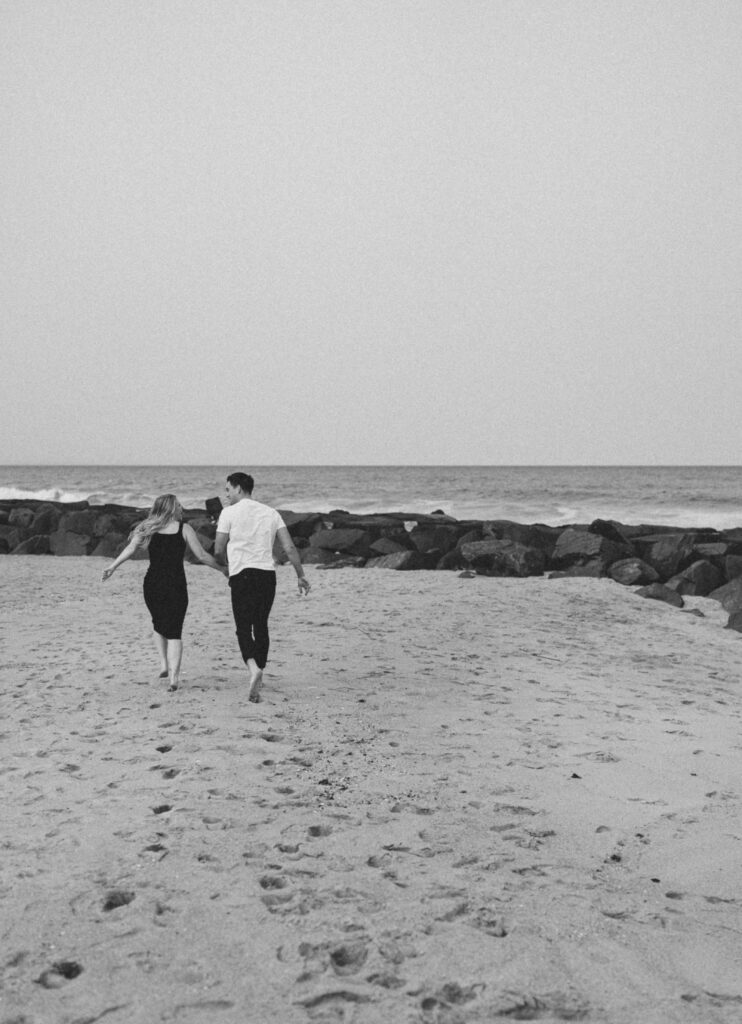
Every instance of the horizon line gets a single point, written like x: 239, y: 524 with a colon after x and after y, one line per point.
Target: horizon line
x: 375, y: 465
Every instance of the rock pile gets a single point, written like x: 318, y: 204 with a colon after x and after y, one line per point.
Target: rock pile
x: 664, y: 562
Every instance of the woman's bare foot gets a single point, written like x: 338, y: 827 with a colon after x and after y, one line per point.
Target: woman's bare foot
x: 256, y: 682
x: 174, y: 684
x: 163, y: 673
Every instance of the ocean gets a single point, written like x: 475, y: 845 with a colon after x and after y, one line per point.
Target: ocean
x: 704, y: 496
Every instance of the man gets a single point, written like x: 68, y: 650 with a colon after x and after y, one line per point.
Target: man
x: 246, y: 532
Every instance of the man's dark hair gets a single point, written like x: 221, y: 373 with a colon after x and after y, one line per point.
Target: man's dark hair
x: 242, y: 480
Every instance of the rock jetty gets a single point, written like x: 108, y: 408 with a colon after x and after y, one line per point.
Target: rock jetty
x: 664, y: 562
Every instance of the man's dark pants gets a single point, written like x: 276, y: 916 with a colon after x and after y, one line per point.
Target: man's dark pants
x: 253, y: 591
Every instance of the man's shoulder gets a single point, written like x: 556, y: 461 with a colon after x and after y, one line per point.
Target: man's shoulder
x: 259, y: 506
x: 250, y: 508
x: 225, y: 515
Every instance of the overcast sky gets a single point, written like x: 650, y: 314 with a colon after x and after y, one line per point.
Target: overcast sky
x: 371, y: 231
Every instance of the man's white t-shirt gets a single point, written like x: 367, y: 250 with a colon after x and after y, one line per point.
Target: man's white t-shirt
x: 252, y: 529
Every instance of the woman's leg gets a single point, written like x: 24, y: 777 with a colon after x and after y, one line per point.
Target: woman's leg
x: 161, y: 645
x: 174, y: 657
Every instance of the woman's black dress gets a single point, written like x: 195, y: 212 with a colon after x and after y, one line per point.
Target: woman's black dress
x: 165, y: 587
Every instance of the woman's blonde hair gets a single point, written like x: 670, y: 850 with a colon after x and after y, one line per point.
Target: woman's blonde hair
x: 161, y: 513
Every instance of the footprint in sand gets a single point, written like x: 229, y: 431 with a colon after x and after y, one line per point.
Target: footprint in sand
x: 349, y: 958
x: 333, y: 1005
x: 59, y: 973
x: 288, y: 847
x: 117, y: 898
x: 273, y: 882
x: 274, y: 896
x: 438, y: 1005
x: 552, y: 1006
x: 489, y: 922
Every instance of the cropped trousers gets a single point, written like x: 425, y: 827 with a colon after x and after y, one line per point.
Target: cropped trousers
x: 253, y: 591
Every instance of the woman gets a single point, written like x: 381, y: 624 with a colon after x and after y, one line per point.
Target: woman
x: 165, y: 587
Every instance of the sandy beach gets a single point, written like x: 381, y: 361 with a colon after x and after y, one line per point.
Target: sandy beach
x: 460, y: 800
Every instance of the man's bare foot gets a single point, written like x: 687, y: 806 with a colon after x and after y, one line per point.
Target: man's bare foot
x: 256, y: 682
x: 174, y: 684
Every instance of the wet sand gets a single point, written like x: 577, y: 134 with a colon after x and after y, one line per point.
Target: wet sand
x: 459, y: 800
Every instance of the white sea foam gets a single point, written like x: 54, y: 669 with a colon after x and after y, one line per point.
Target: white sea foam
x: 704, y: 496
x: 45, y: 494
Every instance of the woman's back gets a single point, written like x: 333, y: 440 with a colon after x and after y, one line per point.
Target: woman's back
x: 166, y: 551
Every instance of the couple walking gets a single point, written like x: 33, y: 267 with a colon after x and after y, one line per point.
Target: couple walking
x: 243, y: 551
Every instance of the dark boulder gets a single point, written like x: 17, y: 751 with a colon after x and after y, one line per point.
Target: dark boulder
x: 82, y: 522
x: 46, y: 519
x: 110, y: 546
x: 379, y: 525
x: 397, y: 534
x: 659, y: 592
x: 36, y: 545
x: 579, y: 547
x: 347, y: 542
x: 733, y: 566
x: 532, y: 536
x: 729, y: 595
x: 204, y: 527
x: 439, y: 538
x: 63, y: 542
x: 318, y: 556
x: 402, y: 560
x: 667, y: 553
x: 594, y: 568
x: 386, y: 546
x: 302, y: 524
x: 214, y: 507
x: 714, y: 553
x: 12, y: 535
x: 735, y: 622
x: 21, y: 516
x: 470, y: 536
x: 105, y: 523
x: 698, y: 580
x: 611, y: 530
x: 633, y: 572
x: 504, y: 558
x: 452, y: 560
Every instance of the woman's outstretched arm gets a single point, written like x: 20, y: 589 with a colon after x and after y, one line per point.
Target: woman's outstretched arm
x: 125, y: 555
x: 203, y: 556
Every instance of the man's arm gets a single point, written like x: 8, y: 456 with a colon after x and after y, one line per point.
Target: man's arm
x: 220, y: 547
x: 292, y: 554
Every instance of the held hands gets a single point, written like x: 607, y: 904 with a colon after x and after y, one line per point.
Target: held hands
x: 304, y: 586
